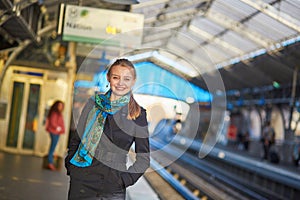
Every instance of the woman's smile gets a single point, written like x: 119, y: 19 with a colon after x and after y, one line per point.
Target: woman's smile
x: 121, y: 81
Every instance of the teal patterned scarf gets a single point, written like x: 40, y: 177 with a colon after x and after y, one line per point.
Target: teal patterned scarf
x: 95, y: 126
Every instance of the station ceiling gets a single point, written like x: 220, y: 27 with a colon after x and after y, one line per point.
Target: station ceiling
x: 251, y: 43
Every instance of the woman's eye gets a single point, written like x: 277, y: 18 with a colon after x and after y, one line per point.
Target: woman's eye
x: 115, y: 77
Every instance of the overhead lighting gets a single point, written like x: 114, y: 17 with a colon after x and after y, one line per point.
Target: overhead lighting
x: 125, y: 2
x: 170, y: 62
x: 188, y: 71
x: 141, y: 56
x: 276, y: 84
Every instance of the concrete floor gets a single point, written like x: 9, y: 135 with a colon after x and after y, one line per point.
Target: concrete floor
x: 23, y: 178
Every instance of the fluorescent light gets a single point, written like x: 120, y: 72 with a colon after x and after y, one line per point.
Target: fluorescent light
x: 172, y: 63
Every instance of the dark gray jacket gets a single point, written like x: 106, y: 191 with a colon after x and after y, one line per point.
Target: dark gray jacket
x: 118, y: 136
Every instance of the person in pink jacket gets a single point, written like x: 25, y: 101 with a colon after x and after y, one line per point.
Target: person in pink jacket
x: 55, y: 126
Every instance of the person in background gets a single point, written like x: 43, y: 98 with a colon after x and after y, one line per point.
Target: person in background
x: 296, y: 153
x: 268, y: 139
x: 177, y: 123
x: 55, y: 126
x: 246, y: 140
x: 107, y: 128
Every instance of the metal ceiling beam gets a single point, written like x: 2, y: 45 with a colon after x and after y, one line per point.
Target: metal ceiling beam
x: 154, y: 31
x: 182, y: 8
x: 186, y: 3
x: 239, y: 28
x: 46, y: 29
x: 148, y: 3
x: 167, y: 13
x: 185, y: 15
x: 192, y: 51
x: 6, y: 5
x: 156, y: 44
x: 274, y: 13
x: 18, y: 6
x: 4, y: 18
x: 178, y: 14
x: 168, y: 22
x: 162, y: 38
x: 19, y: 29
x: 9, y: 38
x: 157, y: 36
x: 211, y: 38
x: 12, y: 57
x: 178, y: 10
x: 199, y: 62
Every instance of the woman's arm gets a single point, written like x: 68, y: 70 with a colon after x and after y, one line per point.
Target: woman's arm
x: 76, y: 138
x: 53, y: 125
x: 142, y: 150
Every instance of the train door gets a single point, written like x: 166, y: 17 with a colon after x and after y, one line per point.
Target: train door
x: 23, y: 114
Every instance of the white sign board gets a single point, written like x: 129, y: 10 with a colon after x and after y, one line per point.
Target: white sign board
x: 108, y: 27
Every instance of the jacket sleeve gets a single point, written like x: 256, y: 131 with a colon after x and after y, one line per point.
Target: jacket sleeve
x: 52, y: 123
x: 76, y: 137
x: 53, y: 120
x: 142, y: 151
x: 62, y: 124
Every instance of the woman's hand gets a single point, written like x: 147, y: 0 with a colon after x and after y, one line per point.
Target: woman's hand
x: 58, y: 128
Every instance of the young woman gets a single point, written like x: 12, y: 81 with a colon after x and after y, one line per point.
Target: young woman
x: 108, y: 126
x: 55, y: 126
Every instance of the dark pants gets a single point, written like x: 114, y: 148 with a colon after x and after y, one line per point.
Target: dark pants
x: 80, y: 191
x: 266, y: 147
x: 95, y: 183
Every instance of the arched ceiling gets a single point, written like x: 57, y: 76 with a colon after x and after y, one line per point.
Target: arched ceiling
x: 252, y: 43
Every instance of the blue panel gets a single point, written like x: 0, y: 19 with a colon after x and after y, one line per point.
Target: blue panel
x: 156, y: 81
x: 152, y: 79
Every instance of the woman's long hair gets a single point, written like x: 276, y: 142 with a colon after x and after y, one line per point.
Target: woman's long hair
x: 134, y: 110
x: 54, y: 108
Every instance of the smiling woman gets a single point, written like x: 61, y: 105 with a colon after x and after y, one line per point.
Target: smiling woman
x: 108, y: 126
x: 121, y: 77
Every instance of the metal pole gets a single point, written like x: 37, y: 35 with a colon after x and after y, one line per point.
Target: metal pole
x: 11, y: 57
x: 293, y: 97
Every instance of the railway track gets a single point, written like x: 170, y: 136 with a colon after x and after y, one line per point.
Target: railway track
x: 211, y: 179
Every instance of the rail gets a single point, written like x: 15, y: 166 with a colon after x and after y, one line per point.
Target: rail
x: 245, y: 178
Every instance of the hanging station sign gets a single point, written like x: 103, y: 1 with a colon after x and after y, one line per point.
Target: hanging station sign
x: 101, y: 26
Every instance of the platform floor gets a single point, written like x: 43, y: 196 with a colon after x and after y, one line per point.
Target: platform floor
x: 22, y: 178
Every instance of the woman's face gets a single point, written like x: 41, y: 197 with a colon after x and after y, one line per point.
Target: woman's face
x: 60, y: 107
x: 121, y: 81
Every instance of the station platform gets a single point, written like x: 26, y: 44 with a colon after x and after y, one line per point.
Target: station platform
x: 256, y: 159
x: 22, y: 177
